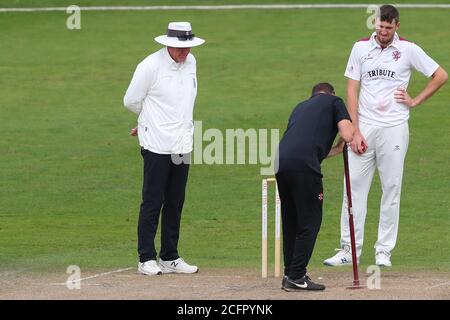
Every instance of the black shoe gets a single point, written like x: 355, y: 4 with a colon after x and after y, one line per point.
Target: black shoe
x: 304, y: 283
x: 283, y: 282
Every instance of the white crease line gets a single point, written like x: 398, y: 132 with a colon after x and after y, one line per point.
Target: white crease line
x: 91, y: 277
x: 226, y: 7
x: 232, y: 277
x: 440, y: 285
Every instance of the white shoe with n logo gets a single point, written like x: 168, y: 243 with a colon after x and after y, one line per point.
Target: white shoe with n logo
x: 343, y: 257
x: 176, y: 266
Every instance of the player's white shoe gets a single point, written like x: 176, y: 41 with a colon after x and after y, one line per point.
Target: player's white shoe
x: 176, y: 266
x: 149, y: 267
x: 383, y: 259
x: 342, y: 258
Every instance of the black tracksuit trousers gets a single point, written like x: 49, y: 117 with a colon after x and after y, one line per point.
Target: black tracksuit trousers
x: 301, y: 196
x: 163, y: 187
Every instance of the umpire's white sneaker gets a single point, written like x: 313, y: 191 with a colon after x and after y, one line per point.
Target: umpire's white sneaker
x: 383, y: 259
x: 176, y: 266
x: 149, y: 267
x: 342, y: 258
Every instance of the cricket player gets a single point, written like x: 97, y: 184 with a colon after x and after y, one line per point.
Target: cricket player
x: 378, y: 101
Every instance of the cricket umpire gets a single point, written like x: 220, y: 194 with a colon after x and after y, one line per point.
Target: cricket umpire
x: 312, y: 128
x: 162, y: 93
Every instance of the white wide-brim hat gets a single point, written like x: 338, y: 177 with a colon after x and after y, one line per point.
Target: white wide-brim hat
x: 179, y: 35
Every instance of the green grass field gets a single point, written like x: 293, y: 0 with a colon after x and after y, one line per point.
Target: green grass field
x: 71, y: 175
x: 58, y: 3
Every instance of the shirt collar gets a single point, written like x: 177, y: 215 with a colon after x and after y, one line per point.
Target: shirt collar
x: 374, y: 43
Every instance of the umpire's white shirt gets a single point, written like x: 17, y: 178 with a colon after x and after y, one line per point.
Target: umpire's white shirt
x: 380, y: 72
x: 162, y: 92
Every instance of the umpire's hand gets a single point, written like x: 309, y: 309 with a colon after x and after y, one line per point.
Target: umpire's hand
x: 134, y: 132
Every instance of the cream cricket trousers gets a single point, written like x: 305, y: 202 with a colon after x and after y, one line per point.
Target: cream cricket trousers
x: 386, y: 153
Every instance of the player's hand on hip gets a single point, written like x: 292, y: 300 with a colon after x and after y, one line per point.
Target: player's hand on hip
x: 133, y: 132
x: 402, y: 96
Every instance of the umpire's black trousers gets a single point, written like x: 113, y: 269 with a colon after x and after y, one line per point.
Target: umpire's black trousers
x: 301, y: 196
x: 163, y: 187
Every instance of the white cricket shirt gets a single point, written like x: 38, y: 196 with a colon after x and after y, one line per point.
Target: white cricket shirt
x: 162, y: 92
x: 381, y: 72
